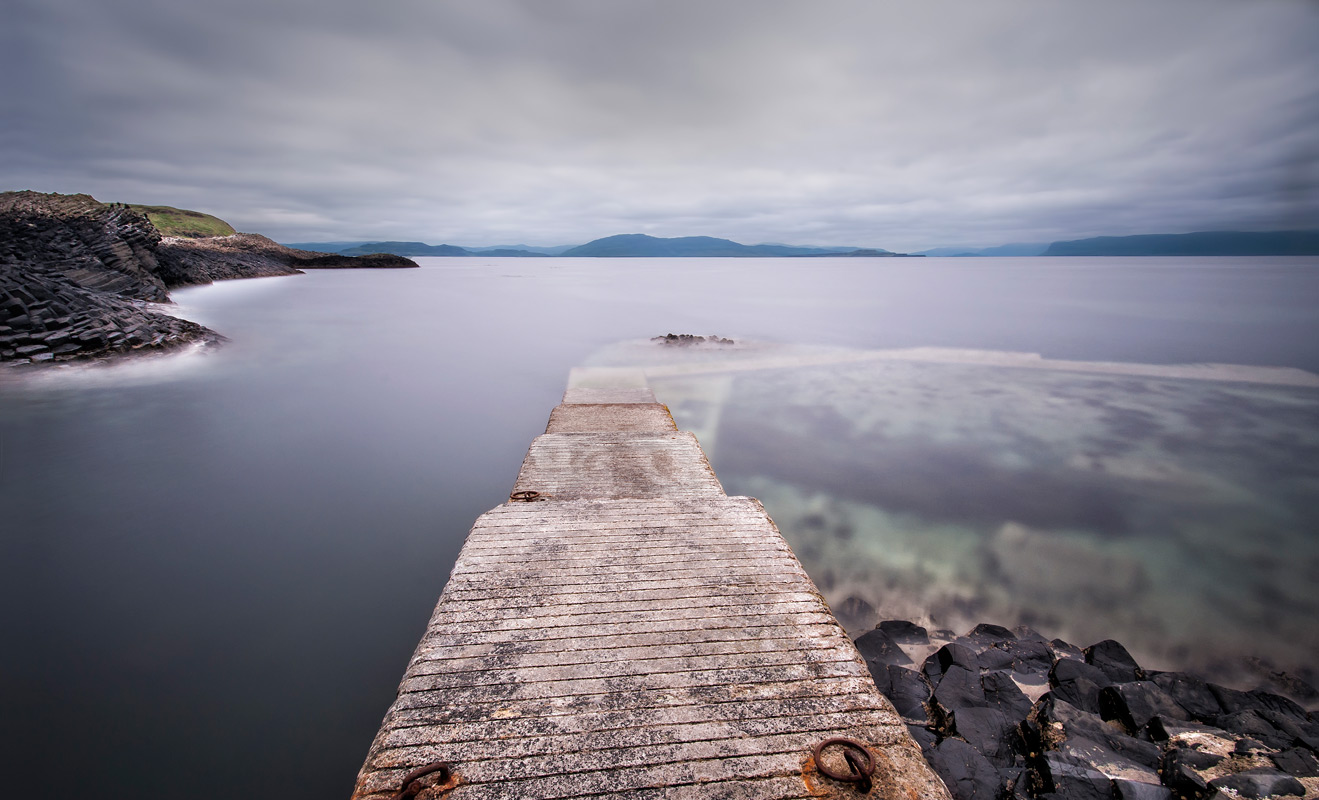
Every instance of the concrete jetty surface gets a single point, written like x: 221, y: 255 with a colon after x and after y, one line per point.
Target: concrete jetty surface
x: 622, y: 628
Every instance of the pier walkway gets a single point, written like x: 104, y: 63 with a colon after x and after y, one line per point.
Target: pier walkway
x: 622, y: 628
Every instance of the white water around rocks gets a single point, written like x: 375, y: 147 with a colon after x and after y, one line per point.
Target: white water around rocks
x: 216, y: 564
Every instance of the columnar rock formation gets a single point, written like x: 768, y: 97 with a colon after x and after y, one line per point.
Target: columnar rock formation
x: 78, y: 278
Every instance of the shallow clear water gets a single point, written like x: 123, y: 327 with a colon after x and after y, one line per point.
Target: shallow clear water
x: 216, y: 565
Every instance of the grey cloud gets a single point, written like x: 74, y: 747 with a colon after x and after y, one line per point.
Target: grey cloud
x: 896, y: 125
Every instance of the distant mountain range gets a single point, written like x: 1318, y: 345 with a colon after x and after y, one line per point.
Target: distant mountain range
x: 423, y: 249
x: 1204, y: 243
x: 1015, y: 250
x: 638, y: 245
x: 628, y: 245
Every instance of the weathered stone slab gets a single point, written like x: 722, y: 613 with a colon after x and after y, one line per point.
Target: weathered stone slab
x: 610, y: 417
x: 597, y: 395
x: 623, y: 628
x: 617, y: 465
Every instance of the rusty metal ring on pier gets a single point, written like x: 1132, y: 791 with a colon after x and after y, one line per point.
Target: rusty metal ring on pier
x: 410, y: 780
x: 861, y: 771
x: 525, y: 496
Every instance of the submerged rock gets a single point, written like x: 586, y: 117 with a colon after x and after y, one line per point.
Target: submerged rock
x: 689, y: 340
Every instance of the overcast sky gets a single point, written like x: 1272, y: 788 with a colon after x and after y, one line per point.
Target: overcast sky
x: 902, y: 125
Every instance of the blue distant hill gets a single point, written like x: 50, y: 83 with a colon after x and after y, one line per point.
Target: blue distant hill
x: 627, y: 245
x: 1014, y: 250
x: 639, y: 245
x: 1203, y: 243
x: 421, y: 249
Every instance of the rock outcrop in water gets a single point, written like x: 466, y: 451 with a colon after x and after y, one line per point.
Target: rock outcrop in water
x: 78, y: 277
x: 1011, y: 715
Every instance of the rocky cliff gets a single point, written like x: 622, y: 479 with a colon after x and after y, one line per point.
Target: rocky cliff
x: 78, y: 278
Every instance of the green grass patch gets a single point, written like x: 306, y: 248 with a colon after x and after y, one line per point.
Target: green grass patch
x: 181, y: 222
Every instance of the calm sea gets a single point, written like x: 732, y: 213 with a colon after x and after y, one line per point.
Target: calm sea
x: 216, y: 565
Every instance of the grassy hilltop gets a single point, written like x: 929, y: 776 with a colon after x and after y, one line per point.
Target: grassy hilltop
x: 181, y: 222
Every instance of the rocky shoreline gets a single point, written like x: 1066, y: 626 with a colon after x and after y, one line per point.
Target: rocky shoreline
x: 80, y: 279
x: 1011, y: 715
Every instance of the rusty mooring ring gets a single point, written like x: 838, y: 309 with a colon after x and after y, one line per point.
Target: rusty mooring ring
x: 861, y: 771
x: 406, y: 790
x: 525, y: 496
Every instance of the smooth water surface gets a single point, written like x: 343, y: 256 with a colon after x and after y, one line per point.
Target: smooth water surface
x: 216, y: 565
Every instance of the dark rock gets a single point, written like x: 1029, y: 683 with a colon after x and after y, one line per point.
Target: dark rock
x: 948, y: 656
x: 924, y: 738
x: 1303, y: 732
x: 1073, y: 779
x: 1251, y: 723
x: 854, y: 612
x: 1164, y: 729
x: 1016, y: 783
x: 1233, y: 701
x: 1063, y: 649
x: 30, y: 350
x: 967, y: 774
x: 960, y: 688
x: 1002, y: 693
x: 985, y: 635
x: 903, y: 632
x: 909, y: 692
x: 1191, y: 693
x: 1030, y: 656
x: 1179, y: 775
x: 989, y: 731
x: 1135, y: 704
x: 1126, y: 789
x: 876, y: 647
x: 1057, y: 722
x: 879, y: 674
x: 1078, y: 683
x: 1190, y: 757
x: 1285, y: 684
x: 1261, y: 782
x: 1248, y: 747
x: 1108, y: 762
x: 1297, y: 761
x: 995, y: 657
x: 1026, y: 633
x: 1114, y: 660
